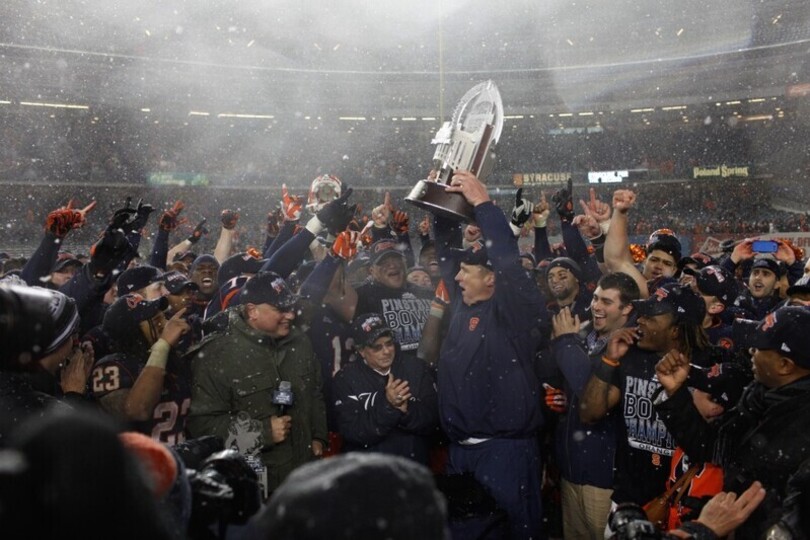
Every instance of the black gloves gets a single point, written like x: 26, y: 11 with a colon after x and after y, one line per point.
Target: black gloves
x: 337, y: 214
x: 142, y: 213
x: 109, y: 252
x: 198, y: 232
x: 564, y: 202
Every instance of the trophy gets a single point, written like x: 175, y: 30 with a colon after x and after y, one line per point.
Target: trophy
x: 467, y: 142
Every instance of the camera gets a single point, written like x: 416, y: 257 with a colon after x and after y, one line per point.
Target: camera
x: 225, y: 488
x: 764, y: 246
x: 629, y: 522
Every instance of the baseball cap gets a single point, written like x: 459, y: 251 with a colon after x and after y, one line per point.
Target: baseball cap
x: 177, y: 281
x: 666, y: 241
x: 128, y: 311
x: 268, y: 288
x: 786, y: 330
x: 722, y: 382
x: 801, y: 286
x: 383, y: 248
x: 203, y: 259
x: 713, y: 280
x: 475, y: 254
x: 236, y: 265
x: 135, y: 279
x: 568, y: 264
x: 769, y: 263
x: 65, y: 260
x: 680, y: 300
x: 368, y: 328
x: 699, y: 259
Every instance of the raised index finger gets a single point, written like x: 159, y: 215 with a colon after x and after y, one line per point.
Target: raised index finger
x: 89, y: 207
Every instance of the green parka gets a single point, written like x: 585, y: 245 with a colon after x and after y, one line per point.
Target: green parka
x: 237, y: 370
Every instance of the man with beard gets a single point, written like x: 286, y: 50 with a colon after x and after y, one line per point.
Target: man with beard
x: 670, y: 319
x: 565, y: 284
x: 584, y: 453
x: 766, y: 436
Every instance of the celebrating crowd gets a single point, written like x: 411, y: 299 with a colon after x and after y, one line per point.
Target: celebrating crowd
x: 371, y: 372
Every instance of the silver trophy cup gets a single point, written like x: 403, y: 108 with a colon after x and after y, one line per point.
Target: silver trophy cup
x: 467, y: 142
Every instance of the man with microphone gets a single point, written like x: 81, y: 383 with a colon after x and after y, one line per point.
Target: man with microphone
x: 257, y: 383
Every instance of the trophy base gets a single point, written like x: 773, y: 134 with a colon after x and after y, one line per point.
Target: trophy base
x: 433, y: 197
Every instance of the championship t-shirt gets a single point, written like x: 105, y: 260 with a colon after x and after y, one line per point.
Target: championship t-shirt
x: 644, y: 453
x: 405, y: 310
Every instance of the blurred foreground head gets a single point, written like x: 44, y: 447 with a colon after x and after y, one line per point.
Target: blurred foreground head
x: 34, y: 323
x: 356, y: 495
x: 68, y: 475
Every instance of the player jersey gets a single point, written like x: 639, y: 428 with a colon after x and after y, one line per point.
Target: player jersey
x: 119, y: 371
x: 334, y: 348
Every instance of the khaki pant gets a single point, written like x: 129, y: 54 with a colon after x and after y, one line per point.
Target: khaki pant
x: 585, y: 511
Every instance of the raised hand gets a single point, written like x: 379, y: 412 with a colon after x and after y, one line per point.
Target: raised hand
x: 291, y: 205
x: 229, y: 219
x: 623, y: 200
x: 400, y: 222
x: 382, y: 213
x: 595, y: 208
x: 564, y: 202
x: 142, y: 213
x: 198, y: 232
x: 540, y: 212
x: 63, y: 220
x: 274, y: 220
x: 345, y: 245
x: 522, y: 210
x: 337, y: 214
x: 124, y: 217
x: 587, y: 225
x: 170, y: 219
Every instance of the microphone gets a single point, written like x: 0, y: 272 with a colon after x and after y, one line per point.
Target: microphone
x: 283, y: 397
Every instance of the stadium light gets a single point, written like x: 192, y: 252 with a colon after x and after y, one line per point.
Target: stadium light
x: 54, y: 105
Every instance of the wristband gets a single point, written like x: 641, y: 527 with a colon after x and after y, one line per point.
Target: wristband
x: 698, y: 530
x: 611, y: 362
x: 159, y: 354
x: 605, y: 372
x: 436, y: 311
x: 598, y: 240
x: 314, y: 225
x: 605, y: 226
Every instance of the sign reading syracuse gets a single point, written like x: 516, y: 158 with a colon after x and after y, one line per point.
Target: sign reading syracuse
x: 540, y: 179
